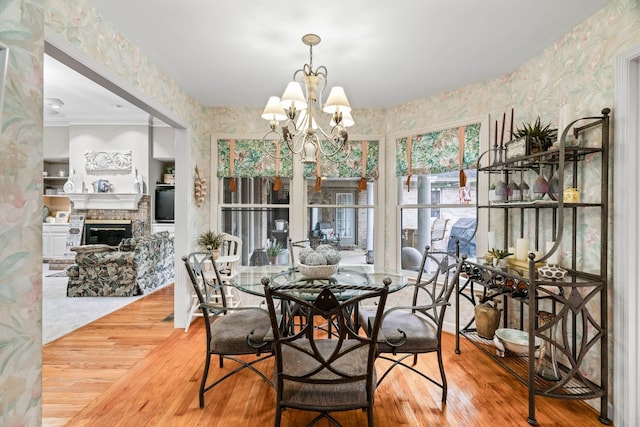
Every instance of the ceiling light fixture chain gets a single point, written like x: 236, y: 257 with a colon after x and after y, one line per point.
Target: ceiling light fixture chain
x: 301, y: 134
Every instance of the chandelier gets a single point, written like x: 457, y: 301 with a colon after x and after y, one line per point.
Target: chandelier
x: 301, y: 132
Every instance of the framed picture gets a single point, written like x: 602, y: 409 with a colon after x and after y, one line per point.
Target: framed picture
x: 516, y: 148
x: 62, y: 217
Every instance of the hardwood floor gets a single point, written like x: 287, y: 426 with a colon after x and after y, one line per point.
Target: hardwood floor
x: 132, y: 368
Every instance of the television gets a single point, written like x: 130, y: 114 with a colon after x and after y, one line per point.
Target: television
x: 165, y: 203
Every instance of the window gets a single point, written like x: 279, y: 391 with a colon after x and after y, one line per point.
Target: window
x: 257, y: 214
x: 254, y: 195
x: 344, y: 216
x: 435, y: 210
x: 338, y: 211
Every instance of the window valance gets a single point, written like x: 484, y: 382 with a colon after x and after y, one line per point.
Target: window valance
x: 437, y: 152
x: 362, y: 163
x: 245, y: 158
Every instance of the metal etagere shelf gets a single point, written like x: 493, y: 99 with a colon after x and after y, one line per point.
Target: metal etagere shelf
x: 577, y: 304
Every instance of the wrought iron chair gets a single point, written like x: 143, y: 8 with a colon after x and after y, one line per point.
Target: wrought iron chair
x: 417, y: 328
x: 231, y: 331
x: 319, y: 373
x: 227, y: 262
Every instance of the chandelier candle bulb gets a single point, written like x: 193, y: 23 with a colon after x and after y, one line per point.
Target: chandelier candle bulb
x: 522, y: 249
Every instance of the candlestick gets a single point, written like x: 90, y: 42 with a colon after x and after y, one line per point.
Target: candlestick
x: 504, y: 119
x: 511, y: 127
x: 495, y: 145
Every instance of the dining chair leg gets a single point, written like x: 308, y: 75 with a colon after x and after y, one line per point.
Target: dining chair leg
x: 203, y: 383
x: 443, y: 377
x: 278, y: 418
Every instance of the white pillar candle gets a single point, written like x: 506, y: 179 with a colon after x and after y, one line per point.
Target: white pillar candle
x: 567, y: 111
x: 491, y: 240
x: 522, y: 249
x: 553, y: 259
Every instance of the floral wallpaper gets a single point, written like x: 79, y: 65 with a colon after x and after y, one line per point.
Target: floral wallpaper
x: 578, y: 68
x: 21, y: 29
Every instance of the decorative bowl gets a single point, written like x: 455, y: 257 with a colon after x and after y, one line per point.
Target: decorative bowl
x: 552, y: 272
x: 317, y: 271
x: 515, y: 340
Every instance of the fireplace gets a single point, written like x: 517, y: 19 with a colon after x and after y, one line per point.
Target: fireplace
x: 108, y: 232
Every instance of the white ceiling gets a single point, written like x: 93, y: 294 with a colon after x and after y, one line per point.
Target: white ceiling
x: 84, y: 100
x: 240, y: 52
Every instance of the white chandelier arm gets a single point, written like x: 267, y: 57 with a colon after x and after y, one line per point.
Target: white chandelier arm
x: 270, y: 145
x: 335, y: 147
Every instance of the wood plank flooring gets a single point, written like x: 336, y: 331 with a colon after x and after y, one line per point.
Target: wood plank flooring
x: 132, y: 368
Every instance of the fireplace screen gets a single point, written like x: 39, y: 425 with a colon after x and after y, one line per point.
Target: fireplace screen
x: 108, y: 233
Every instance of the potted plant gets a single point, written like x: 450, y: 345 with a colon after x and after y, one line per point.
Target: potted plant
x: 540, y: 136
x: 210, y: 241
x: 499, y: 257
x: 170, y: 176
x: 273, y: 251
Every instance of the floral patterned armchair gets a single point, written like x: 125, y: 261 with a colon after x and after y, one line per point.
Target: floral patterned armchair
x: 136, y: 266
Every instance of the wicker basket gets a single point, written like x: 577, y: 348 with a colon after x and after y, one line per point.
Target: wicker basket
x: 317, y: 271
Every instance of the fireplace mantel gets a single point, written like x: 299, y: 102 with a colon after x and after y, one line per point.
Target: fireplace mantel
x: 122, y: 201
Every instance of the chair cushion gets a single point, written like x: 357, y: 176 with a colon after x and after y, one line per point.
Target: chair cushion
x: 333, y: 395
x: 422, y: 334
x: 229, y: 333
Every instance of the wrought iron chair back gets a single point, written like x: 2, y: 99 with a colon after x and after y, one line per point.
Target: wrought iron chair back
x: 410, y: 330
x: 230, y: 331
x: 321, y: 373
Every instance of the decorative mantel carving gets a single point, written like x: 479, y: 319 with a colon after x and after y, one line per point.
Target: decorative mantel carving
x: 107, y: 160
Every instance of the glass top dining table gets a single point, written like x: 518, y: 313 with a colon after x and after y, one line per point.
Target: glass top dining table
x: 250, y: 278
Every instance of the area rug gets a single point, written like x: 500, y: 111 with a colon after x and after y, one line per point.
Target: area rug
x: 62, y: 314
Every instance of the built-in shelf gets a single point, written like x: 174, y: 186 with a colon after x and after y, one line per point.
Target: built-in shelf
x: 121, y: 201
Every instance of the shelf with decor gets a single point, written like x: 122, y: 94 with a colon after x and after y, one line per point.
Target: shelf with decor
x: 551, y: 333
